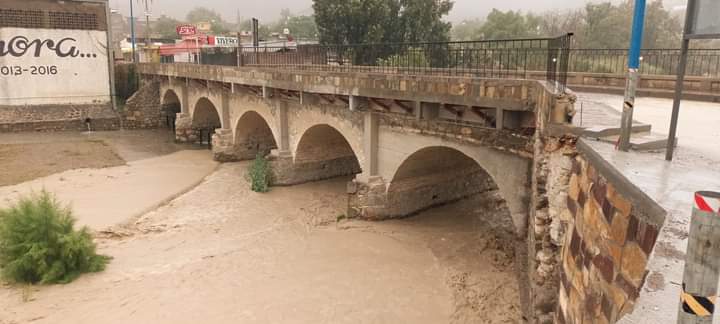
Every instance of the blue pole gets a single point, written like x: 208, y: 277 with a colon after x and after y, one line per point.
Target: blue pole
x: 132, y: 31
x: 633, y: 75
x: 638, y: 27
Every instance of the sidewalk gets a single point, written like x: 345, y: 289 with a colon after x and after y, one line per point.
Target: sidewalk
x: 671, y: 184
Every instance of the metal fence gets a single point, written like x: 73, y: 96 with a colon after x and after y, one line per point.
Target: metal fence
x: 491, y: 59
x: 701, y: 62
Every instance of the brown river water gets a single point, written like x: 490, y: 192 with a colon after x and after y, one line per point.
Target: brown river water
x: 223, y: 254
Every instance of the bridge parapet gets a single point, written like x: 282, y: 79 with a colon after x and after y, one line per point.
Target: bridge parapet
x: 514, y: 95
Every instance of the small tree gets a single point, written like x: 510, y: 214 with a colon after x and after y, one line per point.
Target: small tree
x: 414, y: 58
x: 259, y: 174
x: 38, y: 243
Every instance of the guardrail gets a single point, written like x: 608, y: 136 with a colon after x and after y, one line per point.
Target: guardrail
x: 512, y: 58
x: 701, y: 62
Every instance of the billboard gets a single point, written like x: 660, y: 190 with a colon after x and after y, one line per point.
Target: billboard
x: 705, y: 18
x: 220, y: 41
x: 53, y: 66
x: 186, y: 30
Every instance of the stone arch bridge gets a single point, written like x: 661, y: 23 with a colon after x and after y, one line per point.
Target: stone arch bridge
x: 408, y: 142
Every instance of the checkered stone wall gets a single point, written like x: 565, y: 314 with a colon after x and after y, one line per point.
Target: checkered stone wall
x: 606, y: 250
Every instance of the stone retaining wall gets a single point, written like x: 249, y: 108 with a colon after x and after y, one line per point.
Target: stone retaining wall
x: 143, y: 109
x: 57, y: 118
x: 610, y: 229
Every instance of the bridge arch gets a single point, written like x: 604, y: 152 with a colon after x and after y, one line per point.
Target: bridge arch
x: 170, y: 107
x: 206, y: 115
x: 323, y: 152
x: 437, y: 175
x: 510, y: 173
x: 349, y: 125
x: 170, y: 97
x: 253, y: 135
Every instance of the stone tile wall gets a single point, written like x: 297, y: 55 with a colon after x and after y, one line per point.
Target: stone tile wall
x: 57, y: 118
x: 606, y: 247
x: 143, y: 109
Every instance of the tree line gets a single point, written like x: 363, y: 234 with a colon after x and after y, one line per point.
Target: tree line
x: 597, y: 25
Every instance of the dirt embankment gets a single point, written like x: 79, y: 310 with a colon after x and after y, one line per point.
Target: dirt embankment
x: 28, y: 161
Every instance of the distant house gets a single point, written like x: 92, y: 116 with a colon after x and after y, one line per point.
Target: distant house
x: 204, y: 27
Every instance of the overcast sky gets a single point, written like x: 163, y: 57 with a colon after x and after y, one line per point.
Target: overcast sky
x: 269, y: 9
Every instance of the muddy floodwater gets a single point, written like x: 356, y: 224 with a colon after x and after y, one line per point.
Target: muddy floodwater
x: 223, y: 254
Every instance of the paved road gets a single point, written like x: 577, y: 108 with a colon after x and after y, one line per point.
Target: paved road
x: 698, y: 126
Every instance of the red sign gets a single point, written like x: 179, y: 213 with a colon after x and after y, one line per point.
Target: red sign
x: 186, y: 30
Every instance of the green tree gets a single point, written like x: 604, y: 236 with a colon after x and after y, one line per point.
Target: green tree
x: 377, y: 21
x: 422, y: 20
x: 663, y: 30
x: 605, y: 26
x: 302, y: 27
x: 510, y: 24
x: 555, y: 23
x: 202, y: 14
x: 609, y: 26
x: 166, y: 27
x: 39, y: 243
x: 467, y: 30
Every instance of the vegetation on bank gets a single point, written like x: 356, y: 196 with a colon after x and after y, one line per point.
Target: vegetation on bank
x: 39, y: 243
x: 259, y: 174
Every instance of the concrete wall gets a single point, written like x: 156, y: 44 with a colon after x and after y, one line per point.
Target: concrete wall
x: 74, y: 72
x: 54, y: 66
x: 45, y: 118
x: 662, y: 86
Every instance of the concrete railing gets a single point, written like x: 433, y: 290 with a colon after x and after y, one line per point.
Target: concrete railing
x: 661, y: 86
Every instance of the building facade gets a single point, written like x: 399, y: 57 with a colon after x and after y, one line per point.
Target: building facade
x: 55, y: 65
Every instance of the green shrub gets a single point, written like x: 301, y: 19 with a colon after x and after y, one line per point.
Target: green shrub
x: 259, y: 174
x: 38, y: 243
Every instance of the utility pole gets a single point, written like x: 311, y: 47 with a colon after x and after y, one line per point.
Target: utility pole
x: 633, y: 75
x: 148, y: 41
x: 132, y: 31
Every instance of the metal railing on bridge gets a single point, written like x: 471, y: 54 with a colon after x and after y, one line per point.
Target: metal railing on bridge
x: 513, y: 58
x: 701, y: 62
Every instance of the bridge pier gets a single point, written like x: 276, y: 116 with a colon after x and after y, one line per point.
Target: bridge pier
x: 184, y: 132
x: 223, y: 148
x: 287, y: 171
x: 378, y: 199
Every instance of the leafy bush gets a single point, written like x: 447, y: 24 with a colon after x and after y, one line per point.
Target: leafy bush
x: 38, y: 243
x: 413, y: 57
x: 259, y: 174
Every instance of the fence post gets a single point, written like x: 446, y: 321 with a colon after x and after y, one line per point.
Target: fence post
x: 702, y: 261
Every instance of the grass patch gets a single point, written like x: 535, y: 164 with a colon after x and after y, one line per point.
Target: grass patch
x: 259, y: 174
x: 39, y: 243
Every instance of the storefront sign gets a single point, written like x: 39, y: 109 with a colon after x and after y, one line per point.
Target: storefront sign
x: 186, y: 30
x: 220, y: 41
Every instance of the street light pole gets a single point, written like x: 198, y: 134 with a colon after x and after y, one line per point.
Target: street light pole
x: 132, y: 31
x: 633, y: 75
